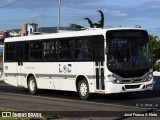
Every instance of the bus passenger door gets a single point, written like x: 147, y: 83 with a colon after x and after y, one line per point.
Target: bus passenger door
x: 19, y: 61
x: 99, y: 62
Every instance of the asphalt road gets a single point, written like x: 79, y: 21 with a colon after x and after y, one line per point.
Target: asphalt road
x: 19, y: 98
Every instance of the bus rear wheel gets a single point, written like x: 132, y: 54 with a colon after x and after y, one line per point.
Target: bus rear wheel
x: 32, y: 85
x: 83, y: 89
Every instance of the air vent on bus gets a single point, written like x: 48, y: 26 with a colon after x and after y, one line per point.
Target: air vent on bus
x: 132, y: 86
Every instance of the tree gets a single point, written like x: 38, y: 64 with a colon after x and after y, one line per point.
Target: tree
x: 155, y: 42
x: 76, y: 26
x: 100, y: 23
x: 138, y: 26
x: 155, y: 47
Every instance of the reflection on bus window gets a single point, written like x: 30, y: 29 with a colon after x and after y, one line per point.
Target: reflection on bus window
x: 49, y: 52
x: 36, y: 50
x: 83, y: 54
x: 65, y: 51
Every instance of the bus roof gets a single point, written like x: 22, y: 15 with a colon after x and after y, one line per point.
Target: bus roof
x: 87, y: 32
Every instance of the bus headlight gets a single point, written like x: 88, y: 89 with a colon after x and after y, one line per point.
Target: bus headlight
x: 112, y: 78
x: 117, y: 81
x: 149, y: 78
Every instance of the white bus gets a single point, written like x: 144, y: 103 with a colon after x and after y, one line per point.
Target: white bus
x: 105, y: 61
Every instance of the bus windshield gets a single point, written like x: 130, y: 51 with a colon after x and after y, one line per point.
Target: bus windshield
x: 129, y: 52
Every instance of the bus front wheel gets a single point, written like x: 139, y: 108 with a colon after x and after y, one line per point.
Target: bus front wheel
x: 32, y: 85
x: 83, y: 89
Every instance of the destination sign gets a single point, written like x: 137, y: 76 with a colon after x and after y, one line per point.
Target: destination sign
x: 126, y: 34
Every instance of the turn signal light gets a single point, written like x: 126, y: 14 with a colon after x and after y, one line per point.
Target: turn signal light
x: 149, y: 86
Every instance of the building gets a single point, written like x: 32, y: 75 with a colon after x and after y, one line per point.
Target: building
x: 4, y: 35
x: 29, y: 29
x: 13, y: 34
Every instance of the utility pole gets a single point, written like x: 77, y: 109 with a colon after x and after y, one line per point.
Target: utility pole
x: 59, y: 15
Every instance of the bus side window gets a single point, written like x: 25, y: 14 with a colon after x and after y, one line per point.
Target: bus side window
x: 26, y: 51
x: 83, y: 49
x: 36, y: 50
x: 83, y: 54
x: 10, y: 52
x: 65, y: 50
x: 98, y: 48
x: 49, y: 52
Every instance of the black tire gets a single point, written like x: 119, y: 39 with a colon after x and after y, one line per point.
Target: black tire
x: 32, y: 85
x: 83, y: 89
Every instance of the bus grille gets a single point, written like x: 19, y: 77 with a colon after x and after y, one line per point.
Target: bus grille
x: 132, y: 86
x: 130, y: 81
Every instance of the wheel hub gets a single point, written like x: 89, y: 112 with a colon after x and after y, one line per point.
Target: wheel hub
x: 83, y: 89
x: 32, y: 85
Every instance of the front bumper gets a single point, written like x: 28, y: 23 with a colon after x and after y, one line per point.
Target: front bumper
x: 121, y: 88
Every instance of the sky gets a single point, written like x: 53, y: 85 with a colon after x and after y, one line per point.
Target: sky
x: 125, y: 13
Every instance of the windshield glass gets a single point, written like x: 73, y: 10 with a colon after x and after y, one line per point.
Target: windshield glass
x: 128, y: 50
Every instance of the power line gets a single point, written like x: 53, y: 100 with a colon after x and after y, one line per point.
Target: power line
x: 10, y: 4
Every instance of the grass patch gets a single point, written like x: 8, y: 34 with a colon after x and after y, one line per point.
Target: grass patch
x: 2, y: 109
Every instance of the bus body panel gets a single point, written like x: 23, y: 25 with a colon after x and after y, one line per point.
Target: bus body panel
x: 10, y: 73
x: 51, y: 75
